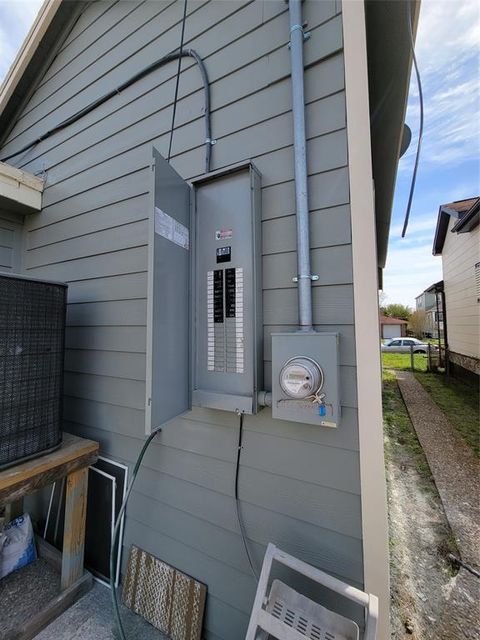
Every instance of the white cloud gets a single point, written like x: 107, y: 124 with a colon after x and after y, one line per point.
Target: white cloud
x: 447, y: 47
x: 410, y: 271
x: 415, y: 227
x: 448, y: 30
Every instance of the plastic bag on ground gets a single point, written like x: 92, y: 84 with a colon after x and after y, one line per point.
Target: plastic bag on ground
x: 17, y: 545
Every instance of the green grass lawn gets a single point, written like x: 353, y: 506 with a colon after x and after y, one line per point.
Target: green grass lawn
x: 459, y: 402
x: 402, y: 361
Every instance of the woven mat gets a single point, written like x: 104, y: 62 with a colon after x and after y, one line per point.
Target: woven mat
x: 170, y: 600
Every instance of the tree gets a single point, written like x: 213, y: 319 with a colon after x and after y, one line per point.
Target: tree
x: 397, y: 310
x: 382, y: 299
x: 417, y: 323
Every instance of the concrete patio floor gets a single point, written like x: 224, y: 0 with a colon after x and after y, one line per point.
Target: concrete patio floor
x: 91, y: 618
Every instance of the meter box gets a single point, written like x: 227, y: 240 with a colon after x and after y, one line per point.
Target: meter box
x: 305, y: 378
x: 227, y: 274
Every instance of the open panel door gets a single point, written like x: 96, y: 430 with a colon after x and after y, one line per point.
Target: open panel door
x: 169, y: 286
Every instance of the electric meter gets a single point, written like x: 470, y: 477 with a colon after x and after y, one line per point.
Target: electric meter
x: 301, y: 377
x: 306, y: 388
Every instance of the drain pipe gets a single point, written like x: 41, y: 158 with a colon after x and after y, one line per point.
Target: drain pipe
x: 304, y: 276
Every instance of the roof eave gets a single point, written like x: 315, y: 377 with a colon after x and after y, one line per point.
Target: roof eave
x: 469, y: 221
x: 464, y: 224
x: 25, y: 54
x: 390, y: 57
x: 440, y: 231
x: 47, y: 34
x: 20, y: 191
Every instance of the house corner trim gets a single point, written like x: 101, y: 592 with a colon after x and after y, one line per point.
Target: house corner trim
x: 365, y: 279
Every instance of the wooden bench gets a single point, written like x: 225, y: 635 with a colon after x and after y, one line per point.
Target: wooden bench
x: 71, y: 461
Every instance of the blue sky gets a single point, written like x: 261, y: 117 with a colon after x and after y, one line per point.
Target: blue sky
x: 448, y: 51
x: 448, y: 54
x: 16, y: 18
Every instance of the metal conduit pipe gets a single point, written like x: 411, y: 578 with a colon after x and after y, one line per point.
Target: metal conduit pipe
x: 304, y: 275
x: 264, y: 398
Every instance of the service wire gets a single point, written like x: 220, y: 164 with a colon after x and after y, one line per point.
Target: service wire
x: 237, y: 499
x: 113, y: 549
x: 175, y: 55
x: 420, y: 131
x: 177, y: 79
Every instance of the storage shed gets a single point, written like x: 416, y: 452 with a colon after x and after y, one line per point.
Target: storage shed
x: 315, y: 491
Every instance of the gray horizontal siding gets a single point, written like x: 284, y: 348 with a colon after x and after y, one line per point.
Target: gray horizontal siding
x: 299, y: 485
x: 129, y: 286
x: 324, y: 506
x: 108, y: 338
x: 124, y: 211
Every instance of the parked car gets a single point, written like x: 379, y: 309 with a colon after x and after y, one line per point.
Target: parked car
x: 401, y: 345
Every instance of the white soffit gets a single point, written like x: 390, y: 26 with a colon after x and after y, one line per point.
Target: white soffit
x: 20, y: 191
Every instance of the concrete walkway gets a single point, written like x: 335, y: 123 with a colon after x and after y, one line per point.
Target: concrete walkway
x: 455, y: 468
x: 456, y: 472
x: 91, y: 618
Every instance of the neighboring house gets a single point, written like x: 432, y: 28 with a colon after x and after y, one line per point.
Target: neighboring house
x: 457, y: 240
x: 317, y: 492
x: 427, y: 303
x: 392, y: 327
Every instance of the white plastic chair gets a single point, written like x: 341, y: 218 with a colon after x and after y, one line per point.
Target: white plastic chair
x: 286, y: 614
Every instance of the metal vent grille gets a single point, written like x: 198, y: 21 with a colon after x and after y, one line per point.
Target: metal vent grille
x: 310, y: 619
x: 32, y: 331
x: 170, y: 600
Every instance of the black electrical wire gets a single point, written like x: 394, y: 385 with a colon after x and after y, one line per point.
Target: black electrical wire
x: 113, y: 549
x: 237, y: 500
x: 420, y: 131
x: 177, y: 80
x: 138, y: 76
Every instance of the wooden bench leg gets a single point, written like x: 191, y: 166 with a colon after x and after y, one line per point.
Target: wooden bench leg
x: 74, y: 532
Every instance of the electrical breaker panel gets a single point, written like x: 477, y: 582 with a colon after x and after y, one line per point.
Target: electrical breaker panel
x: 227, y: 273
x: 305, y: 378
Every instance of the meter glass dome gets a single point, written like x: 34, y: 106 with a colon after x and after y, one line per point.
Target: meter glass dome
x: 301, y: 377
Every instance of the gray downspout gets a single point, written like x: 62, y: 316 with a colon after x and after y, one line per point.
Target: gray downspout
x: 304, y: 275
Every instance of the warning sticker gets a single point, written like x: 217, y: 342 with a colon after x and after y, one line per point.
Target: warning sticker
x: 171, y: 229
x: 223, y: 234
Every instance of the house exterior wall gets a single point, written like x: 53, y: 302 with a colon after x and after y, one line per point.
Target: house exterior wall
x: 460, y: 254
x: 11, y: 235
x: 431, y: 321
x: 300, y: 486
x: 425, y: 301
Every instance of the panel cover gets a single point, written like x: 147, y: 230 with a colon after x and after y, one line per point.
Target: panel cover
x: 168, y: 348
